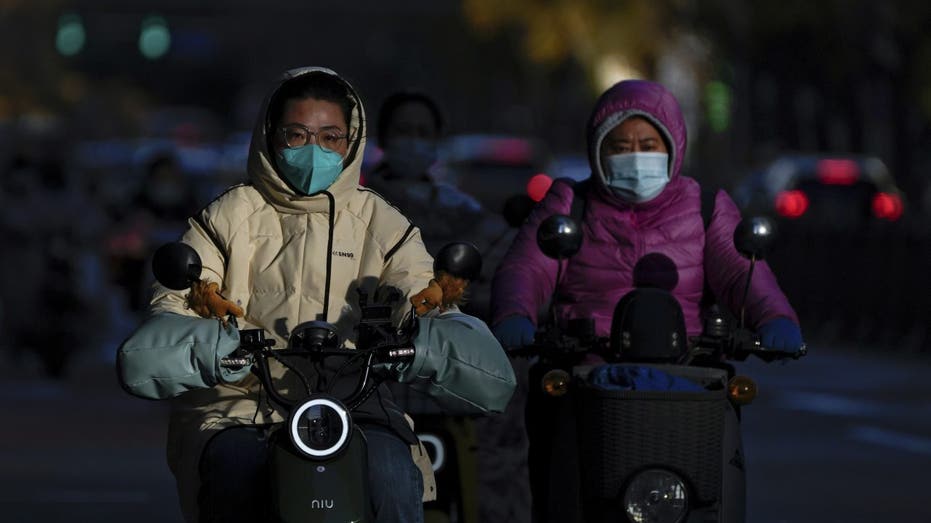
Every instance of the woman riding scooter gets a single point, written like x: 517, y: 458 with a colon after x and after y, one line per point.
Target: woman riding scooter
x: 635, y: 204
x: 300, y: 242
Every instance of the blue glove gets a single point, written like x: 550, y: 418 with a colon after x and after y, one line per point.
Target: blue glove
x: 514, y: 331
x: 781, y: 334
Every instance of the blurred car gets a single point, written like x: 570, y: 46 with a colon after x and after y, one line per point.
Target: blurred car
x: 821, y: 191
x: 492, y: 168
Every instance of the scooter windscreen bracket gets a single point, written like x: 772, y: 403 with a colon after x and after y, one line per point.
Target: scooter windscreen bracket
x: 320, y: 427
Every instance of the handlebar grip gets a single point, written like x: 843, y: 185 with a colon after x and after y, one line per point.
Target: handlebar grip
x: 399, y: 354
x: 769, y: 354
x: 235, y: 363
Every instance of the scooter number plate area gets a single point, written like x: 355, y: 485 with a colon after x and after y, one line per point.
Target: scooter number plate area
x: 320, y: 491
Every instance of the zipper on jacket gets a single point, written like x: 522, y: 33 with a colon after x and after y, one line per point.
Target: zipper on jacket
x: 329, y: 256
x: 639, y: 246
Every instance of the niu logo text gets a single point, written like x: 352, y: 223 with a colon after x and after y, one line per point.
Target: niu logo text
x: 322, y: 503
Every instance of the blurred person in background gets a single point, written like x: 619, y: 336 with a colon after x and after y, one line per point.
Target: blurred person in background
x: 409, y: 128
x: 166, y: 194
x: 157, y: 214
x: 410, y: 125
x: 22, y: 261
x: 291, y: 246
x: 635, y: 203
x: 51, y: 273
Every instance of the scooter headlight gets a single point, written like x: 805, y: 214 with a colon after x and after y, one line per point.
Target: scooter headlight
x: 656, y: 496
x: 320, y: 427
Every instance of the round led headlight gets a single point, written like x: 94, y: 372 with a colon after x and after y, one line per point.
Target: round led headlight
x: 320, y: 427
x: 656, y: 496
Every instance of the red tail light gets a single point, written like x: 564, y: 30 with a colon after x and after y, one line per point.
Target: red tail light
x: 791, y: 204
x: 887, y: 206
x: 838, y: 172
x: 538, y: 185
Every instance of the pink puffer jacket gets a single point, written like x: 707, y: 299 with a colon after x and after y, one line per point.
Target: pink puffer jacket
x: 624, y: 243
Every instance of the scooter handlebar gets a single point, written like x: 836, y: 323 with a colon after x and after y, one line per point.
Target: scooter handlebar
x: 740, y: 344
x: 735, y: 346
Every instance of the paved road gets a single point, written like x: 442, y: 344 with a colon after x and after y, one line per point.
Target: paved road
x: 837, y: 437
x: 840, y: 436
x: 82, y: 451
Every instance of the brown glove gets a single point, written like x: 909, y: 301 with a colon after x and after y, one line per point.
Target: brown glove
x: 427, y: 299
x: 443, y: 292
x: 205, y: 300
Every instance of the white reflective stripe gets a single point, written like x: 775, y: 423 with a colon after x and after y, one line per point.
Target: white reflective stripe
x: 343, y: 416
x: 438, y: 449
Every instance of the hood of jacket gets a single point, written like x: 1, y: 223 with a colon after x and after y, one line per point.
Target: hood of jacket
x: 261, y: 167
x: 646, y: 99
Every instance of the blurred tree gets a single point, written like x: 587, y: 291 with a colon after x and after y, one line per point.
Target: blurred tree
x: 607, y: 37
x: 835, y: 75
x: 28, y: 74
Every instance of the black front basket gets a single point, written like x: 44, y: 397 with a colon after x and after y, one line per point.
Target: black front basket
x: 623, y: 432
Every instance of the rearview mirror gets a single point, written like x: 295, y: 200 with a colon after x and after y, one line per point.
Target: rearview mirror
x: 754, y: 236
x: 559, y: 237
x: 460, y: 259
x: 176, y: 266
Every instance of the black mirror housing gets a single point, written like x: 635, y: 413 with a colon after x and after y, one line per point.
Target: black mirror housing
x: 176, y: 265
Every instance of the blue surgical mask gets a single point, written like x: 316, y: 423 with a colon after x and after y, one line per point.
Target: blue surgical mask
x: 410, y: 157
x: 637, y: 177
x: 310, y: 168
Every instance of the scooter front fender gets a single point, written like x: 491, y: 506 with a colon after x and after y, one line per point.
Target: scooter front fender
x: 326, y: 491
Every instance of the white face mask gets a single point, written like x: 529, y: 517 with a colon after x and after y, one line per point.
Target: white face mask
x: 637, y: 177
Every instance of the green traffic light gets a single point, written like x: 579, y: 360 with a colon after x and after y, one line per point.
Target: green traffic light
x: 154, y: 37
x: 718, y: 105
x: 71, y: 36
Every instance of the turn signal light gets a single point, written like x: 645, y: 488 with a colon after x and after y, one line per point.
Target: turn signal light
x: 556, y: 382
x: 741, y: 390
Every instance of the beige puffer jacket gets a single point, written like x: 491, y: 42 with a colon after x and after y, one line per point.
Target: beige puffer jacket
x: 288, y: 259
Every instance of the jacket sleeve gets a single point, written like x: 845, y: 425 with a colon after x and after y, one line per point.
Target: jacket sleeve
x: 170, y: 354
x: 208, y: 233
x: 408, y: 268
x: 459, y: 363
x: 175, y: 350
x: 727, y: 270
x: 526, y: 279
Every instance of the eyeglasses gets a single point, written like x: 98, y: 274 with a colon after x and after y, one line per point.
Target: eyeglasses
x: 296, y: 135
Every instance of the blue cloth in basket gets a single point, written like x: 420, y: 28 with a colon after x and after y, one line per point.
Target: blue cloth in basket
x: 628, y: 377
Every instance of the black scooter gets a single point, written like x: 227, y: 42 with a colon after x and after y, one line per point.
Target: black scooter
x: 626, y: 453
x: 318, y: 457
